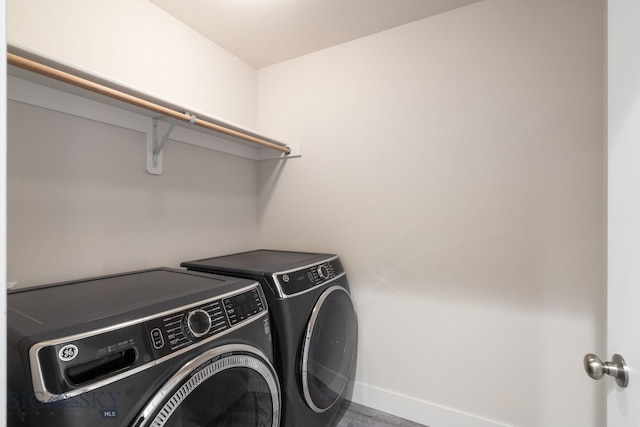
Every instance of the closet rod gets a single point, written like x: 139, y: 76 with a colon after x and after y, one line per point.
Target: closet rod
x: 62, y: 76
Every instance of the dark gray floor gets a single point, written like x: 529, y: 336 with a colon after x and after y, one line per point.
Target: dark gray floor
x: 355, y: 415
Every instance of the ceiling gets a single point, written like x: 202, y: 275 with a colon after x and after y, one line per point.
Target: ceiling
x: 265, y: 32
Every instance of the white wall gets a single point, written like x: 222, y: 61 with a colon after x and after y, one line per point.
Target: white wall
x: 456, y: 164
x: 138, y: 43
x: 80, y: 201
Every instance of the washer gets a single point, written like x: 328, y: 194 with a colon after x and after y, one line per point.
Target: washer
x: 161, y: 348
x: 315, y: 326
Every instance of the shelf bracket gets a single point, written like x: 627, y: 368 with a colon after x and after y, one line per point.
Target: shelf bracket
x: 154, y: 147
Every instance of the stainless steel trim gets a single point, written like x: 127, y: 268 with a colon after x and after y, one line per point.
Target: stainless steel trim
x: 256, y: 360
x: 45, y: 396
x: 278, y: 285
x: 306, y: 342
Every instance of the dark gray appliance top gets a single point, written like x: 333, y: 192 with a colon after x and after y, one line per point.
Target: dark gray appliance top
x: 262, y: 262
x: 109, y: 299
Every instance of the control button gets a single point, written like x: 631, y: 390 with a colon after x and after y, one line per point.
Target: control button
x: 198, y: 322
x: 285, y: 278
x: 156, y: 338
x: 323, y: 272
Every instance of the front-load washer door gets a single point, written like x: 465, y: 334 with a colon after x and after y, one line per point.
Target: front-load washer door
x: 229, y: 386
x: 329, y: 349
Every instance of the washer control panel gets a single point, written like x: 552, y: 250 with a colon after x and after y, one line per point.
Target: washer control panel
x: 70, y: 365
x: 293, y: 282
x: 181, y: 329
x: 243, y: 306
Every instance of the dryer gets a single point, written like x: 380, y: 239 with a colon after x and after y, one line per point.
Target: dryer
x: 314, y: 322
x: 160, y: 347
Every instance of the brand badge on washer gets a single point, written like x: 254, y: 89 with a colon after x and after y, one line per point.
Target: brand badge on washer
x: 68, y: 352
x: 267, y: 327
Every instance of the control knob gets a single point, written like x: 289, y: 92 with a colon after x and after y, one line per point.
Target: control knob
x: 323, y: 272
x: 198, y: 322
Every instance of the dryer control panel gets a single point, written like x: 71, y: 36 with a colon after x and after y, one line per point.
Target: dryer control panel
x: 301, y: 280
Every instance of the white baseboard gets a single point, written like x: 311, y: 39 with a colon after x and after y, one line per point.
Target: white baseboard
x: 416, y: 410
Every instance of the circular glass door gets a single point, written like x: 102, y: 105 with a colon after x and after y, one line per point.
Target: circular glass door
x: 230, y: 386
x: 329, y: 349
